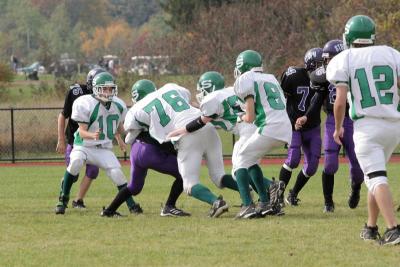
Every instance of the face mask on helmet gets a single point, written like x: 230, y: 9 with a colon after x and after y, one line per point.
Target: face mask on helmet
x: 331, y: 49
x: 313, y: 59
x: 209, y: 82
x: 104, y: 87
x: 90, y: 76
x: 246, y: 61
x: 141, y: 88
x: 359, y: 30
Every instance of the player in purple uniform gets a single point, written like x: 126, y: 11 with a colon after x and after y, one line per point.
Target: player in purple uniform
x: 326, y: 94
x: 295, y: 83
x: 147, y: 153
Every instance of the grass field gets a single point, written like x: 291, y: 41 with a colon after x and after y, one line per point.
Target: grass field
x: 32, y: 235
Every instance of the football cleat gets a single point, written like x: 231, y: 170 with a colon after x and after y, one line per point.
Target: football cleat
x: 354, y: 197
x: 78, y: 204
x: 276, y: 191
x: 173, y: 211
x: 247, y: 212
x: 136, y: 209
x: 329, y: 207
x: 391, y: 236
x: 110, y: 214
x: 292, y: 199
x: 369, y: 233
x: 62, y: 205
x: 60, y: 208
x: 219, y: 207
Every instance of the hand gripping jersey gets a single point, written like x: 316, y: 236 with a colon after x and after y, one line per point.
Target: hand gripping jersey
x: 270, y: 108
x: 106, y: 118
x: 322, y: 86
x: 223, y: 106
x: 295, y: 84
x: 162, y: 111
x: 371, y: 74
x: 75, y: 91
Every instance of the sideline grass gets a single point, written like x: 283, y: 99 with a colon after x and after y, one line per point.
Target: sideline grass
x: 32, y: 235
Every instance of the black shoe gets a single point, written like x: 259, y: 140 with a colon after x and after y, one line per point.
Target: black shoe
x: 354, y: 197
x: 329, y: 207
x: 247, y: 212
x: 136, y: 209
x: 219, y: 206
x: 62, y: 205
x: 398, y: 208
x: 391, y: 236
x: 60, y: 208
x: 263, y: 209
x: 292, y: 199
x: 109, y: 214
x: 78, y: 204
x: 369, y: 233
x: 173, y: 212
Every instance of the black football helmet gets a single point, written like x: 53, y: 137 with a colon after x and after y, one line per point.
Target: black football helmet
x: 313, y: 59
x: 90, y: 76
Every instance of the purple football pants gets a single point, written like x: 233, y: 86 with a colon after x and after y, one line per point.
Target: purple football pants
x: 146, y: 156
x: 92, y: 171
x: 310, y: 142
x: 331, y: 148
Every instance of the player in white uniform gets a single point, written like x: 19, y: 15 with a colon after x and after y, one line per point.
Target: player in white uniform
x: 370, y: 76
x: 265, y: 107
x: 221, y: 107
x: 100, y: 118
x: 167, y: 109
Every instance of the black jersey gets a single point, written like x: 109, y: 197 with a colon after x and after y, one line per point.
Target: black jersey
x: 166, y: 147
x: 295, y: 83
x: 75, y: 91
x: 324, y: 87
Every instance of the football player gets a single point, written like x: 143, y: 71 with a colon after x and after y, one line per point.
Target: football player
x: 370, y: 75
x: 326, y: 94
x: 168, y: 109
x: 221, y: 107
x: 295, y: 83
x: 147, y: 153
x: 75, y: 91
x: 265, y: 107
x: 100, y: 118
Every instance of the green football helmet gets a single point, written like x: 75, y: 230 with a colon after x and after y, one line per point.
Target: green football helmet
x: 102, y: 83
x: 141, y: 88
x: 359, y: 29
x: 246, y: 61
x: 209, y: 81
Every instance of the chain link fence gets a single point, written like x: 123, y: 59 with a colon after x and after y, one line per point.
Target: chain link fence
x: 30, y: 134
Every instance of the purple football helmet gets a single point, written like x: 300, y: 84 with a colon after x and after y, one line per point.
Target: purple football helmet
x: 313, y: 58
x: 331, y: 49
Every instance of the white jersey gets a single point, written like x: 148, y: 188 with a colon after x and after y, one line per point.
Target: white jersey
x: 87, y: 109
x: 162, y: 111
x: 223, y: 106
x: 270, y: 104
x: 371, y: 75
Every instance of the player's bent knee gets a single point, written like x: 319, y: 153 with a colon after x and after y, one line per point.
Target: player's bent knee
x: 373, y: 183
x: 75, y: 165
x: 117, y: 176
x: 311, y: 169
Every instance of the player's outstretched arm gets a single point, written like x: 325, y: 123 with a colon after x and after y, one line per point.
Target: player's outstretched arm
x: 190, y: 127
